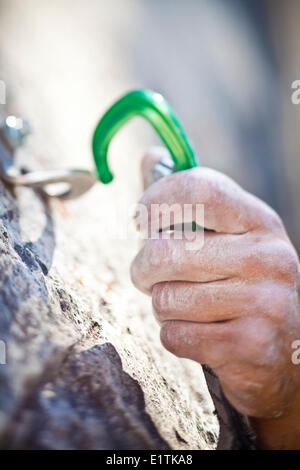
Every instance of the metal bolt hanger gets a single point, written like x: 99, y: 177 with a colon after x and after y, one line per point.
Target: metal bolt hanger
x: 12, y: 136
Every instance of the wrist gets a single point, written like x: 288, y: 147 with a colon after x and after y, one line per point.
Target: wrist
x: 281, y: 433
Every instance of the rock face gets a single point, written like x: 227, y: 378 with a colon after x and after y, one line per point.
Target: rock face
x: 79, y: 376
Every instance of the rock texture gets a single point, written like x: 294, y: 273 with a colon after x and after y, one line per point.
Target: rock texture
x: 85, y: 368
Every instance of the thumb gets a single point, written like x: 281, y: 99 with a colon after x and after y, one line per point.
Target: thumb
x: 153, y: 156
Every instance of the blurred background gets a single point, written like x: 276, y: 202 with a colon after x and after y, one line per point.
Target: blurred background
x: 225, y: 66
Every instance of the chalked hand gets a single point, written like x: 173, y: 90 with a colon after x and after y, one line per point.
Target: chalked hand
x: 232, y: 304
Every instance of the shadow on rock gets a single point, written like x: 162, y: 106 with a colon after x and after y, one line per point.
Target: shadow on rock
x: 89, y: 403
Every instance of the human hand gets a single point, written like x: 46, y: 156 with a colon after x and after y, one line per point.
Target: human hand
x: 234, y: 303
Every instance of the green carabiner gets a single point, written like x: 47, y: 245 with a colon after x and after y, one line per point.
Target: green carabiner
x: 155, y: 109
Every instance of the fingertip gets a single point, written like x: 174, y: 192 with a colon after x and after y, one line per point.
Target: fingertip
x: 167, y: 336
x: 137, y: 276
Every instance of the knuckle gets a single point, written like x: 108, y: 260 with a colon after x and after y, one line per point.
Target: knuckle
x: 286, y: 261
x: 276, y: 219
x: 212, y: 189
x: 272, y: 219
x: 275, y: 301
x: 256, y: 341
x: 280, y: 302
x: 272, y: 259
x: 216, y: 184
